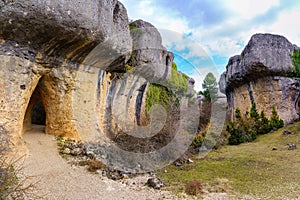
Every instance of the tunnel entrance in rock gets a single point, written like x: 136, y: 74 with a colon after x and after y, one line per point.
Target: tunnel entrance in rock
x: 38, y: 114
x: 35, y: 113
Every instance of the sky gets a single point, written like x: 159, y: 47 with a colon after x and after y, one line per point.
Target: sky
x: 204, y: 34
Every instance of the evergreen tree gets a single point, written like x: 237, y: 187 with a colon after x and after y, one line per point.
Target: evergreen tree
x: 246, y: 128
x: 253, y: 112
x: 238, y: 115
x: 210, y: 87
x: 275, y: 121
x: 254, y: 118
x: 264, y: 126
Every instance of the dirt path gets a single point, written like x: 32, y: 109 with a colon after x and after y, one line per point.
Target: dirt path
x: 59, y: 180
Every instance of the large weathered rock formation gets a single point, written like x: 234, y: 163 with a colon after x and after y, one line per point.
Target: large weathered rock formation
x: 85, y: 66
x: 259, y: 75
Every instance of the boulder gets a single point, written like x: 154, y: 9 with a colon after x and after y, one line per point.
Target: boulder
x: 259, y: 75
x: 264, y: 55
x: 286, y: 132
x: 149, y: 57
x: 155, y: 183
x: 292, y: 147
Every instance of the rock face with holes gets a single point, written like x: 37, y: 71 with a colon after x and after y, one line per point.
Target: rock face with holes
x: 82, y: 63
x: 259, y: 75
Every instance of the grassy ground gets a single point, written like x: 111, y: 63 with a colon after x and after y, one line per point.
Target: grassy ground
x: 253, y: 170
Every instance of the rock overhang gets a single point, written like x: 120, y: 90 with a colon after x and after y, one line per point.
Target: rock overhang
x: 264, y: 55
x: 261, y: 74
x: 57, y: 28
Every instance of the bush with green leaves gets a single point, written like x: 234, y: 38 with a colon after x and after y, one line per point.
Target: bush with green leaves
x: 296, y: 65
x: 264, y: 124
x: 132, y: 25
x: 241, y: 130
x: 246, y: 129
x: 209, y: 140
x: 275, y: 121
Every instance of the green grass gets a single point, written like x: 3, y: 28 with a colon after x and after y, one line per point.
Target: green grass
x: 251, y: 169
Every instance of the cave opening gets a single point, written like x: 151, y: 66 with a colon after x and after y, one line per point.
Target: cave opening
x: 38, y: 114
x: 35, y: 115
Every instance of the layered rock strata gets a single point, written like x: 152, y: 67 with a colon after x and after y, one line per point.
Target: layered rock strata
x: 82, y: 63
x: 259, y: 75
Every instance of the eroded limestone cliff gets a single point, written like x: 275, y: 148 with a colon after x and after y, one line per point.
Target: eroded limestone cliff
x: 259, y: 75
x: 85, y: 66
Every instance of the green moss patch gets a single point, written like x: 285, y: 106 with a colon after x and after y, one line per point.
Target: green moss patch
x: 178, y: 81
x: 168, y: 96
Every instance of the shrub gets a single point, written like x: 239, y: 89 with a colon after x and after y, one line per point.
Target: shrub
x: 132, y: 25
x: 253, y: 112
x: 246, y: 129
x: 264, y: 124
x: 241, y: 130
x: 296, y: 65
x: 275, y: 121
x: 194, y: 187
x: 198, y: 141
x: 12, y: 186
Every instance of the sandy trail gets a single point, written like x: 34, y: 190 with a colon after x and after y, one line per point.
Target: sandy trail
x: 59, y: 180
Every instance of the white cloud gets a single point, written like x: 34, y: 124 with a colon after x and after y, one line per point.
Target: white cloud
x: 181, y: 43
x: 288, y: 25
x: 223, y: 39
x: 248, y: 9
x: 160, y: 17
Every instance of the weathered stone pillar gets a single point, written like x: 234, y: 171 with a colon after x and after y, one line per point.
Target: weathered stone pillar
x: 17, y: 83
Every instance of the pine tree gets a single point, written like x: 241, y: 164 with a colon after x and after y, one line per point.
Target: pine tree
x: 275, y: 121
x: 210, y: 87
x: 253, y: 112
x: 264, y: 126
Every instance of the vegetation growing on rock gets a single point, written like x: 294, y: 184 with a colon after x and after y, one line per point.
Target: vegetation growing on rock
x: 296, y: 62
x: 170, y: 95
x: 157, y: 94
x: 264, y: 72
x: 132, y: 25
x: 178, y: 81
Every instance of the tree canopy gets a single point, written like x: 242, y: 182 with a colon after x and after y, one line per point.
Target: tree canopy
x: 210, y: 87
